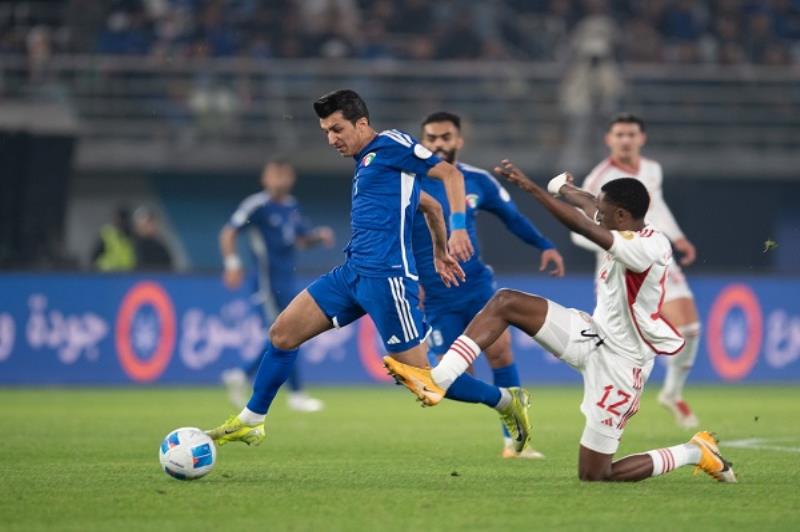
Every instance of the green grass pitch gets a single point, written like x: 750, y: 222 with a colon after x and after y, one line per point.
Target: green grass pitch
x: 87, y: 460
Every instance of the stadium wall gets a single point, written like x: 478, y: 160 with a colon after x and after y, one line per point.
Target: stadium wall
x: 143, y: 330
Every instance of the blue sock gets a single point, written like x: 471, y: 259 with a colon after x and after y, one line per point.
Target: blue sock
x: 295, y: 383
x: 468, y: 389
x: 506, y: 377
x: 276, y: 365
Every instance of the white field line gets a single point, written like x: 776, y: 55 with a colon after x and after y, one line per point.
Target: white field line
x: 765, y: 444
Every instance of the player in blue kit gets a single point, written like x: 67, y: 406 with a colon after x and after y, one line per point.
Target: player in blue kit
x: 449, y: 310
x: 379, y: 276
x: 275, y: 229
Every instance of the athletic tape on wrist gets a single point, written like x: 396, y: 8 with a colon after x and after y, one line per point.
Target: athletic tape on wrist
x: 458, y: 220
x: 555, y: 184
x: 233, y: 262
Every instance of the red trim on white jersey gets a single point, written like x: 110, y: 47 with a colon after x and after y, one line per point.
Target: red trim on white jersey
x: 633, y: 282
x: 632, y: 170
x: 661, y: 283
x: 638, y: 385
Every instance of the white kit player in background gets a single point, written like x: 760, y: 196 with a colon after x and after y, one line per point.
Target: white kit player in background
x: 625, y: 139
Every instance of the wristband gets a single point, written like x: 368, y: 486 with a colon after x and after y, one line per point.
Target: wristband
x: 458, y: 221
x: 555, y: 184
x: 233, y: 262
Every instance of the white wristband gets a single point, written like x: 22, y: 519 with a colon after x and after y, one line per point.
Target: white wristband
x: 233, y: 262
x: 555, y: 184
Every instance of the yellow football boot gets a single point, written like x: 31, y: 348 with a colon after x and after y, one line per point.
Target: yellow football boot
x: 710, y: 460
x: 418, y: 380
x: 235, y: 430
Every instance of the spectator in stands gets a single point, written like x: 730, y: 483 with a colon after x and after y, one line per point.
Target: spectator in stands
x: 723, y: 31
x: 412, y: 17
x: 151, y: 252
x: 330, y: 27
x: 39, y: 52
x: 642, y: 42
x: 216, y: 33
x: 375, y: 42
x: 114, y: 249
x: 125, y: 34
x: 460, y: 40
x: 593, y: 85
x: 759, y: 36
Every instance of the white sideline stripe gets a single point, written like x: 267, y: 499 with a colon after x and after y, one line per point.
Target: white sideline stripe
x: 406, y: 190
x: 764, y: 444
x: 396, y: 297
x: 407, y: 307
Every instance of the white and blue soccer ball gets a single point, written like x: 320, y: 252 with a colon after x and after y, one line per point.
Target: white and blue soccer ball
x: 187, y: 453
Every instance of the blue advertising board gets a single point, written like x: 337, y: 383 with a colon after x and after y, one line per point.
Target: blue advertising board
x: 133, y: 329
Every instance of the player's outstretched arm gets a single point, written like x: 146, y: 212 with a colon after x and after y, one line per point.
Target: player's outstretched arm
x: 321, y: 235
x: 233, y: 274
x: 460, y: 244
x: 564, y: 212
x: 446, y: 266
x: 497, y: 201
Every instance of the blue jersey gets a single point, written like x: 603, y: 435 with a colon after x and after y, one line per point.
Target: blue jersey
x: 386, y: 188
x: 483, y: 192
x: 272, y: 230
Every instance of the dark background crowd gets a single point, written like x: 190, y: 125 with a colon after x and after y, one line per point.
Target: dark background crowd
x: 676, y: 31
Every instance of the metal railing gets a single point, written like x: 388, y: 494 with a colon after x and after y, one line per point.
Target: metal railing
x: 135, y: 112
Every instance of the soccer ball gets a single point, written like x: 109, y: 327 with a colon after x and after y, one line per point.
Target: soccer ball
x: 187, y: 453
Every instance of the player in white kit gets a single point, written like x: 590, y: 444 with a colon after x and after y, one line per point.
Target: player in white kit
x: 614, y: 348
x: 625, y: 139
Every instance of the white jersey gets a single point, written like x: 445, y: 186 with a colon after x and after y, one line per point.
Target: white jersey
x: 630, y: 292
x: 651, y: 176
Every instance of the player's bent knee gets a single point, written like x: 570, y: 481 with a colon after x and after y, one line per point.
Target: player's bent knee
x: 513, y: 304
x: 281, y: 337
x: 506, y: 299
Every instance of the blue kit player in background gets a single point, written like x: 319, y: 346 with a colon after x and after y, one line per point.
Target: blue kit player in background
x: 275, y: 228
x: 379, y: 276
x: 449, y: 310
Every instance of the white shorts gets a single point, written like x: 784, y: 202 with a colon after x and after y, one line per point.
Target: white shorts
x: 612, y: 385
x: 676, y: 286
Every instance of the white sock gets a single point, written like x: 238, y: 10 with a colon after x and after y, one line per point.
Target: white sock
x: 458, y: 358
x: 670, y: 458
x: 680, y: 365
x: 248, y: 417
x: 505, y: 400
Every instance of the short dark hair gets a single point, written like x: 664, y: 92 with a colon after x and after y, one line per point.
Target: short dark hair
x: 629, y: 194
x: 626, y: 118
x: 443, y: 116
x: 345, y: 100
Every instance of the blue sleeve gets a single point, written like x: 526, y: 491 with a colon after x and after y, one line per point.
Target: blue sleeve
x: 243, y: 213
x: 497, y: 201
x: 409, y: 155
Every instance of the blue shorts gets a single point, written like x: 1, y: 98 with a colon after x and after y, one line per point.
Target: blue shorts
x: 392, y: 302
x: 448, y: 320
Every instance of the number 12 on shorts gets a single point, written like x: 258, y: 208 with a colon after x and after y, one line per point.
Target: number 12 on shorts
x: 625, y: 397
x: 622, y: 398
